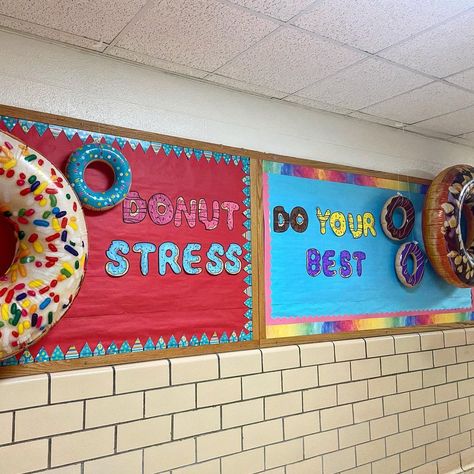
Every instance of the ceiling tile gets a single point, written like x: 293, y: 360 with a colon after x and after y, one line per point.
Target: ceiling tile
x: 202, y: 35
x: 244, y: 86
x: 375, y: 119
x: 372, y: 25
x: 99, y: 20
x: 289, y: 60
x: 454, y: 123
x: 363, y: 84
x: 442, y: 51
x: 463, y: 79
x: 50, y: 33
x: 275, y: 8
x: 316, y: 104
x: 159, y: 63
x: 428, y: 101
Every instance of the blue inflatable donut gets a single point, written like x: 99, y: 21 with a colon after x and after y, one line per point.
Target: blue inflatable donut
x: 82, y: 158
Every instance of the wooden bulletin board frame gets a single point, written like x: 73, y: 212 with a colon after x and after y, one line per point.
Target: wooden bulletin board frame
x: 257, y: 228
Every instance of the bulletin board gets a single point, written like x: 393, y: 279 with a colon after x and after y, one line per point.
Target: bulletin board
x: 333, y: 272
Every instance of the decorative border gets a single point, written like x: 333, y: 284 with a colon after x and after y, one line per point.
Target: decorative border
x: 362, y: 322
x: 137, y: 346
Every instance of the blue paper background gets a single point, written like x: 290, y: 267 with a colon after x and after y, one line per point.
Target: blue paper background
x: 296, y: 294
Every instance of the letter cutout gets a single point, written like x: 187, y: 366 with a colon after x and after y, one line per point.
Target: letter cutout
x: 119, y: 265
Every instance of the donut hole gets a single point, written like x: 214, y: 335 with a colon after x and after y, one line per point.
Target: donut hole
x: 466, y: 226
x: 8, y: 242
x: 99, y: 176
x: 398, y: 217
x: 411, y: 263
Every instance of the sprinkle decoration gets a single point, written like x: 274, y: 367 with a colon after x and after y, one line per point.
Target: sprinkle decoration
x: 48, y: 268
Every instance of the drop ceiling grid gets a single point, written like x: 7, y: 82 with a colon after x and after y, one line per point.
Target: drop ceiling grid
x: 397, y: 62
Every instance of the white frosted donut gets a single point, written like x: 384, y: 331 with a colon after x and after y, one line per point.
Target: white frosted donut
x: 48, y: 267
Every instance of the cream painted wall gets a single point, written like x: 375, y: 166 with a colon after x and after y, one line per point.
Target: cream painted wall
x: 67, y: 81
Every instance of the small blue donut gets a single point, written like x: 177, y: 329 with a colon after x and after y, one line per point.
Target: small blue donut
x: 82, y: 158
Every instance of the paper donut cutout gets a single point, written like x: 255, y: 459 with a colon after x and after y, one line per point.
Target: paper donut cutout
x: 82, y: 158
x: 405, y: 252
x: 48, y: 267
x: 386, y: 217
x: 449, y: 200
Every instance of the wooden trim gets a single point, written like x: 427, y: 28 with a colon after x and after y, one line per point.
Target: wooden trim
x: 257, y: 229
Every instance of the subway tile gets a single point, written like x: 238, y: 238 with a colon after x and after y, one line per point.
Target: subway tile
x: 437, y: 450
x: 141, y: 376
x: 371, y: 451
x: 309, y: 466
x: 24, y: 457
x: 247, y: 462
x: 283, y: 405
x: 81, y: 384
x: 127, y: 463
x: 194, y: 369
x: 298, y: 379
x: 90, y: 444
x: 365, y: 469
x: 412, y: 458
x: 261, y: 434
x: 444, y: 393
x: 283, y: 453
x: 444, y: 356
x: 354, y: 434
x: 448, y: 428
x: 458, y: 407
x: 469, y: 335
x: 380, y: 346
x: 409, y: 381
x: 336, y: 417
x: 260, y: 385
x: 316, y: 398
x: 301, y: 425
x: 219, y: 444
x: 450, y: 463
x: 368, y: 410
x: 399, y: 442
x: 196, y: 422
x: 23, y: 392
x: 282, y: 357
x: 433, y: 377
x: 352, y: 392
x: 420, y: 360
x: 334, y: 373
x: 456, y: 372
x: 411, y: 419
x: 436, y: 413
x: 365, y: 369
x: 349, y: 349
x: 465, y: 354
x: 407, y: 343
x: 432, y: 340
x: 425, y: 435
x: 466, y: 388
x: 317, y: 353
x: 389, y: 465
x: 454, y: 337
x: 242, y: 413
x: 429, y: 468
x: 138, y: 434
x: 208, y: 467
x: 169, y: 456
x: 422, y: 398
x: 240, y: 363
x: 321, y: 443
x: 396, y: 403
x: 459, y: 442
x: 170, y: 400
x: 383, y: 427
x: 48, y: 420
x: 467, y: 458
x: 382, y: 386
x: 116, y: 409
x: 6, y: 427
x: 394, y: 364
x: 71, y: 469
x: 217, y: 392
x: 339, y: 461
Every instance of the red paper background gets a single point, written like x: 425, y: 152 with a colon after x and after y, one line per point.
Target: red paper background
x: 134, y: 306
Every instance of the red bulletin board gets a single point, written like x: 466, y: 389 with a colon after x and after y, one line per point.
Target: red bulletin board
x: 136, y: 312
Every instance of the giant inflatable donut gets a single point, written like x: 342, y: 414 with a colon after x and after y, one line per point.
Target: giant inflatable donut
x: 82, y: 158
x: 450, y: 197
x: 48, y: 267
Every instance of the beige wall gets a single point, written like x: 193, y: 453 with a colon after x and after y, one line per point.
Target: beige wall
x: 380, y: 405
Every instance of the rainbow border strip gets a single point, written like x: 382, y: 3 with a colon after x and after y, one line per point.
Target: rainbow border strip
x: 174, y: 341
x: 360, y: 324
